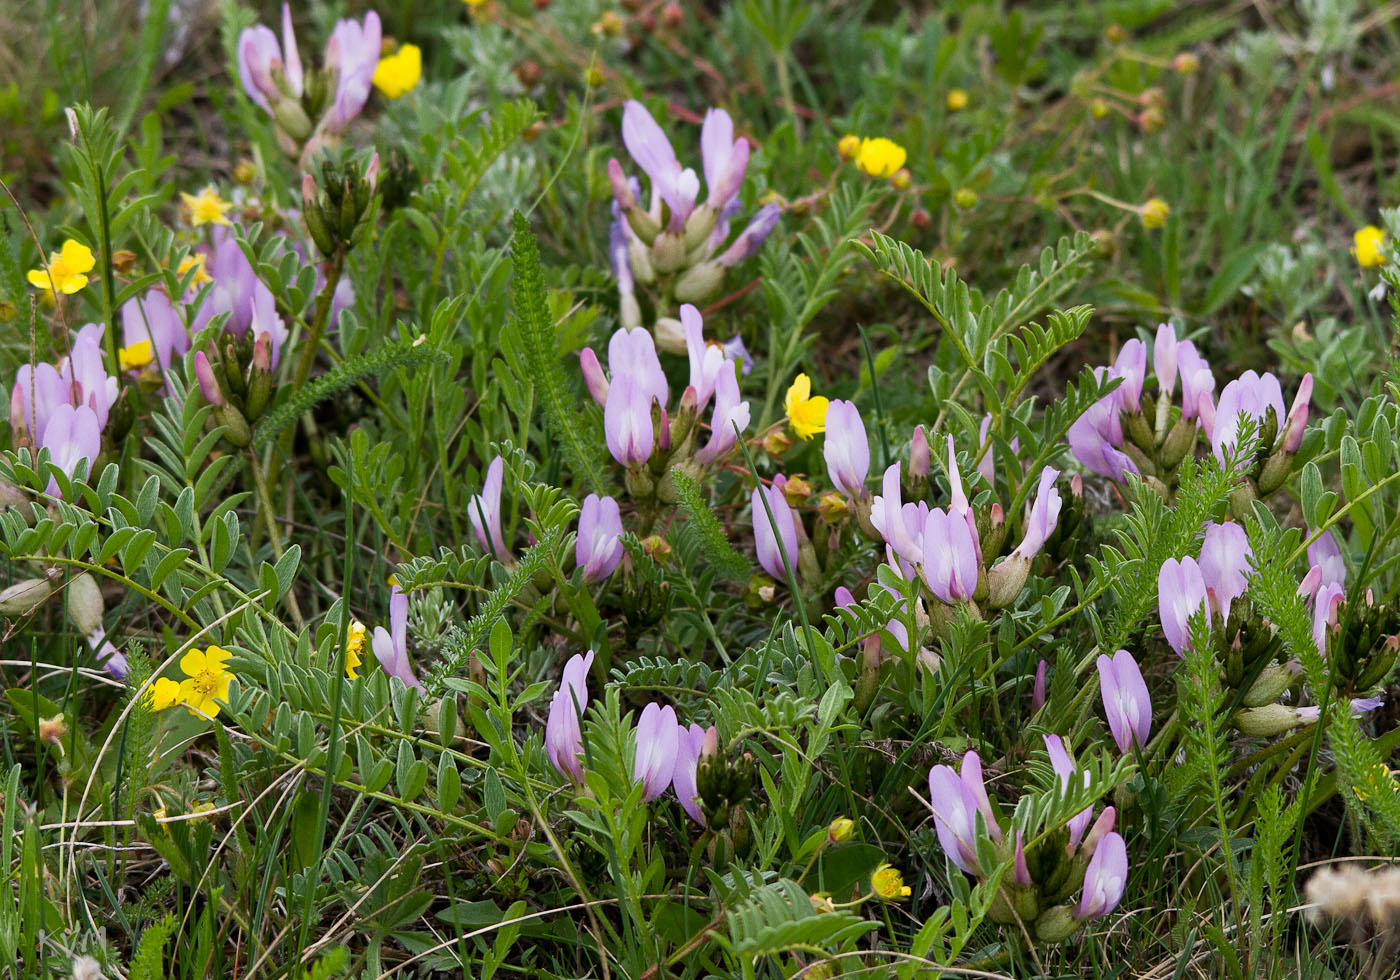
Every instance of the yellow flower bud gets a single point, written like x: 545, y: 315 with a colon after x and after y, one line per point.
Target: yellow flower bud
x: 1154, y: 213
x: 965, y: 198
x: 840, y: 830
x: 848, y: 146
x: 956, y: 100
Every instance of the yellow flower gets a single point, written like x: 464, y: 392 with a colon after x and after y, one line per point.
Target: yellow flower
x: 956, y: 100
x: 880, y: 157
x: 195, y: 262
x: 806, y: 415
x: 1369, y: 245
x: 354, y: 643
x: 207, y: 208
x: 1154, y: 213
x: 848, y: 146
x: 163, y: 693
x: 398, y: 74
x: 965, y: 198
x: 1376, y: 777
x: 208, y: 680
x: 888, y: 883
x: 66, y: 269
x: 137, y: 355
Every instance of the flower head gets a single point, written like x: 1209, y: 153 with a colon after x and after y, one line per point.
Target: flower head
x: 806, y: 414
x: 847, y: 449
x: 484, y: 512
x: 956, y: 800
x: 889, y: 884
x: 956, y: 100
x: 1105, y: 877
x: 599, y: 548
x: 391, y: 646
x: 207, y: 207
x: 397, y: 74
x: 690, y: 743
x: 658, y: 743
x: 66, y: 271
x: 1181, y: 593
x: 163, y: 693
x: 880, y: 157
x: 563, y: 736
x: 207, y: 680
x: 1368, y: 245
x: 1126, y: 702
x: 354, y: 643
x: 767, y: 533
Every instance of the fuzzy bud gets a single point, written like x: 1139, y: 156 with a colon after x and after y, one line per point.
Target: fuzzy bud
x: 25, y: 596
x: 84, y: 603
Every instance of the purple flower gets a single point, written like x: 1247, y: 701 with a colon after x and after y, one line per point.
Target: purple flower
x: 1356, y: 706
x: 735, y: 350
x: 1131, y: 366
x: 760, y: 226
x: 259, y: 56
x: 729, y: 413
x: 1326, y: 555
x: 1126, y: 702
x: 949, y: 557
x: 690, y: 743
x: 1225, y: 557
x: 920, y: 456
x: 1181, y: 592
x: 72, y: 434
x: 1038, y: 688
x: 1041, y: 516
x: 1164, y: 359
x: 484, y: 511
x: 632, y: 354
x: 886, y: 514
x: 112, y: 660
x: 1297, y: 422
x: 352, y: 55
x: 1095, y: 436
x: 658, y: 744
x: 652, y: 151
x: 627, y: 422
x: 208, y: 384
x: 706, y: 360
x: 1196, y: 378
x: 1066, y: 769
x: 1250, y: 394
x: 593, y: 375
x: 1326, y: 613
x: 85, y: 373
x: 391, y: 646
x: 152, y: 319
x: 563, y: 736
x: 956, y: 800
x: 846, y: 449
x: 37, y: 392
x: 1105, y: 877
x: 767, y: 533
x: 599, y: 548
x: 725, y: 158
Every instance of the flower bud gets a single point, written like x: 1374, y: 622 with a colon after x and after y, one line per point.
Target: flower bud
x: 52, y: 730
x: 84, y: 603
x: 25, y: 596
x: 669, y: 335
x: 259, y: 379
x: 1269, y: 685
x: 668, y: 252
x: 965, y: 198
x: 1006, y: 580
x: 1267, y: 721
x: 291, y: 120
x: 796, y: 489
x: 699, y: 282
x: 848, y: 146
x: 840, y: 830
x: 1057, y: 924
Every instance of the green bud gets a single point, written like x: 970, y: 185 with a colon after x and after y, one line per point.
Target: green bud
x: 699, y: 282
x: 1268, y: 687
x: 84, y: 603
x: 699, y: 226
x: 236, y: 426
x: 291, y: 119
x: 1266, y: 721
x: 1179, y: 442
x: 1057, y: 924
x: 25, y: 596
x: 668, y: 252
